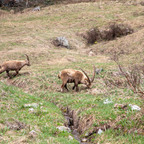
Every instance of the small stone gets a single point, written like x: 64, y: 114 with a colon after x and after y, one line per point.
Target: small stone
x: 63, y: 128
x: 100, y: 131
x: 35, y: 105
x: 107, y: 101
x: 84, y: 140
x: 86, y: 134
x: 134, y: 107
x: 91, y: 53
x: 98, y: 70
x: 70, y: 137
x: 31, y: 110
x: 33, y: 133
x: 36, y: 8
x: 61, y: 41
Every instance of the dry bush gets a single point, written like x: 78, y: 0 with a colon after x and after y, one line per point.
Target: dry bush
x: 116, y: 30
x: 133, y: 76
x: 93, y: 35
x: 108, y: 33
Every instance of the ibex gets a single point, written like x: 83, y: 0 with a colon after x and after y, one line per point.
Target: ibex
x: 14, y: 65
x: 76, y: 77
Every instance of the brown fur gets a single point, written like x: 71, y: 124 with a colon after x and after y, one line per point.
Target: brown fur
x: 76, y: 77
x: 14, y: 65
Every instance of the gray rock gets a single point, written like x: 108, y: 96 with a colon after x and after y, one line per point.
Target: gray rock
x: 63, y: 128
x: 107, y: 101
x: 100, y: 131
x: 84, y: 140
x: 91, y: 53
x: 99, y: 70
x: 135, y: 107
x: 70, y: 137
x: 36, y: 8
x: 34, y: 105
x: 61, y: 41
x: 33, y: 133
x: 31, y: 110
x: 86, y: 134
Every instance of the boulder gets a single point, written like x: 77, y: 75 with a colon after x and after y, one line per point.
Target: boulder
x: 63, y: 128
x: 61, y: 41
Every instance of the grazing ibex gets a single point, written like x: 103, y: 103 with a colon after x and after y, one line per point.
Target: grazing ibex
x: 76, y: 77
x: 14, y: 65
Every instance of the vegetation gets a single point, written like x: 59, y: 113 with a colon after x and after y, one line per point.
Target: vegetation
x: 32, y: 33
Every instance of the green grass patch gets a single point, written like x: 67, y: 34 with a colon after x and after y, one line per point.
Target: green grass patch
x: 44, y: 120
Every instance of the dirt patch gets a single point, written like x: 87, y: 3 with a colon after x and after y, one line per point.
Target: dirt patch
x: 21, y: 140
x: 18, y: 83
x: 15, y: 124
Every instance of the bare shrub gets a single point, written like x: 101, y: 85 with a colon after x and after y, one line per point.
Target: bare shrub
x: 93, y: 35
x: 116, y: 30
x: 133, y: 76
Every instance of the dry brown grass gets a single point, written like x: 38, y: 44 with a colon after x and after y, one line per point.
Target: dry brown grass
x: 35, y: 29
x: 31, y: 32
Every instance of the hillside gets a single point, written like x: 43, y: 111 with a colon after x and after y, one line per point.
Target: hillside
x: 32, y: 33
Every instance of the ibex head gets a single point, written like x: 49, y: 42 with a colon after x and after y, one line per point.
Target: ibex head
x: 88, y: 81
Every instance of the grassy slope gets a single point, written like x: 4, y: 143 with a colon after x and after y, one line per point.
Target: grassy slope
x: 31, y: 33
x: 44, y: 119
